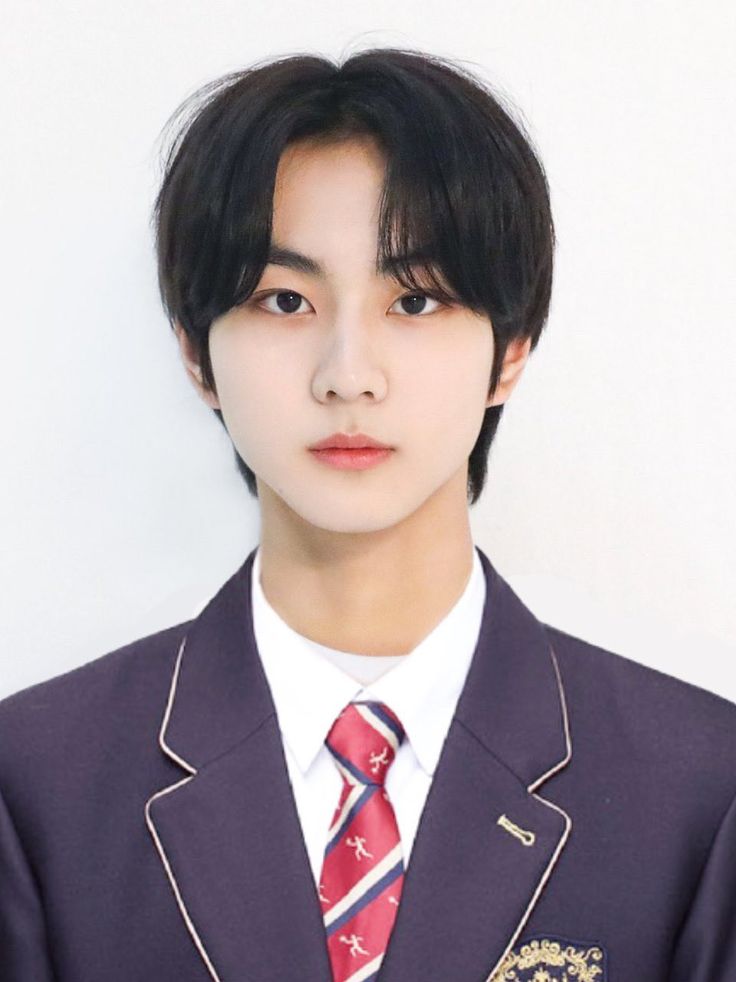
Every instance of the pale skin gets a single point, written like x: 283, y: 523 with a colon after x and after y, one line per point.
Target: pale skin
x: 362, y: 561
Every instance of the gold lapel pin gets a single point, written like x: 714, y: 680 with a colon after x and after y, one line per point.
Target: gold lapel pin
x: 527, y: 838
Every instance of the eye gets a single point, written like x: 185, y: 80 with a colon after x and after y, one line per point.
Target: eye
x: 418, y: 299
x: 288, y: 301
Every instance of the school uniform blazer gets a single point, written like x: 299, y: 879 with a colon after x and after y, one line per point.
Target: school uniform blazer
x: 581, y: 821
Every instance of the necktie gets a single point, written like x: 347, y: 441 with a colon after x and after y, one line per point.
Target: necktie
x: 363, y: 867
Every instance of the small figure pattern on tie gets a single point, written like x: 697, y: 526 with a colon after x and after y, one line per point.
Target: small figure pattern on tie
x: 363, y: 867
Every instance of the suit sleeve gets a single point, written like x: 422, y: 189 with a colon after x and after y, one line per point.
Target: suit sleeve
x: 706, y: 944
x: 23, y: 945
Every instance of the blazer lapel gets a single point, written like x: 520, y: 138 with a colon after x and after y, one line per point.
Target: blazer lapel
x: 487, y: 843
x: 228, y: 834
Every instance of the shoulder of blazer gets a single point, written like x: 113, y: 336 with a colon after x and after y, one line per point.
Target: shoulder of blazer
x: 681, y: 735
x: 59, y: 720
x: 632, y: 682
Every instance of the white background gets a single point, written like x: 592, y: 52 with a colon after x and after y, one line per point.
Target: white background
x: 609, y: 504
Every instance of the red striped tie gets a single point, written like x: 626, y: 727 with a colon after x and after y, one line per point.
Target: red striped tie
x: 363, y: 868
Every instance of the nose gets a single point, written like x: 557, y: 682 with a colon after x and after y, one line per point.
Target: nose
x: 349, y: 366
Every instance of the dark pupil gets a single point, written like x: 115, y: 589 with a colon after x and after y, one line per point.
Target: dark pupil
x: 412, y: 299
x: 292, y: 304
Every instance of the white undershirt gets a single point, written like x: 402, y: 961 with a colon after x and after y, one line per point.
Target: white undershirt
x: 311, y: 683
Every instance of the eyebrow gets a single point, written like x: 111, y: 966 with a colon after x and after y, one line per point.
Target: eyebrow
x: 291, y: 259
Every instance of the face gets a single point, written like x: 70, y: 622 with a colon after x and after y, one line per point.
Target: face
x: 348, y: 350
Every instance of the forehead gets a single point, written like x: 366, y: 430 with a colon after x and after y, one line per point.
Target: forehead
x: 326, y: 204
x: 322, y: 183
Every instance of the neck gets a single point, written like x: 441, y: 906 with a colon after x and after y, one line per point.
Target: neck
x: 376, y: 593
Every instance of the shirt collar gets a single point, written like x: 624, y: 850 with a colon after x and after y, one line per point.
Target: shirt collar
x: 309, y: 691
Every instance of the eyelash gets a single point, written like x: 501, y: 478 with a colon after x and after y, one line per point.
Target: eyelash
x: 256, y: 301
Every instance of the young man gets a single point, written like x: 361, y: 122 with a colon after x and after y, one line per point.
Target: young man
x: 364, y: 758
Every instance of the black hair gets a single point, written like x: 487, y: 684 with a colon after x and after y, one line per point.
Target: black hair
x: 463, y: 186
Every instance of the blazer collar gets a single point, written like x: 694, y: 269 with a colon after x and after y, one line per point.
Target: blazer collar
x: 219, y: 694
x: 513, y: 700
x: 229, y: 837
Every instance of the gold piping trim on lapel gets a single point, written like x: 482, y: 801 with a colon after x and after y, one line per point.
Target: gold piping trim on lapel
x: 149, y: 821
x: 568, y: 822
x: 566, y: 725
x: 172, y: 692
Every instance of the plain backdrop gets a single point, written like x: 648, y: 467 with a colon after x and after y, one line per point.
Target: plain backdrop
x: 609, y: 504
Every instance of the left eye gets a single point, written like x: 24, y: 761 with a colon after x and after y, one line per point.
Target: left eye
x: 419, y: 299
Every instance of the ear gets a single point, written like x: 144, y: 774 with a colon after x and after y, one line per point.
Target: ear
x: 515, y: 358
x: 189, y: 357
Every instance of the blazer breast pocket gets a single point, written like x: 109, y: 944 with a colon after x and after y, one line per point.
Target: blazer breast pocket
x: 553, y: 959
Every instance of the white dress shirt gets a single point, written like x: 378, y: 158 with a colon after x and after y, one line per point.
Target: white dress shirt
x: 310, y: 684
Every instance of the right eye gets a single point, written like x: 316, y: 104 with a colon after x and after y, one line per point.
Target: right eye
x: 288, y: 302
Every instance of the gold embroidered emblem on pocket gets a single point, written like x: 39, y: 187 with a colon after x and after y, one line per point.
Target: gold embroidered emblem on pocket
x: 553, y: 960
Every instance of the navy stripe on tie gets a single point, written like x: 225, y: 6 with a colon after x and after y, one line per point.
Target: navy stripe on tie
x: 359, y: 804
x: 377, y: 710
x: 393, y: 874
x: 350, y: 766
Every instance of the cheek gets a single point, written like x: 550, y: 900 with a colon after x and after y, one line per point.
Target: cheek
x: 448, y: 393
x: 254, y: 394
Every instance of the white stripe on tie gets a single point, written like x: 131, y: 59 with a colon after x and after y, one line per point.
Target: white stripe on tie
x: 364, y: 884
x: 357, y: 791
x: 367, y: 970
x: 378, y: 725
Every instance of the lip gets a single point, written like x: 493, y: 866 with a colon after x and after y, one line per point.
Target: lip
x: 347, y: 441
x: 358, y: 459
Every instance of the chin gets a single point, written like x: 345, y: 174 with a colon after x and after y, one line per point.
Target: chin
x: 351, y: 515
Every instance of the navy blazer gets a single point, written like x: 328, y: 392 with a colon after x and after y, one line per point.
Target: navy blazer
x: 581, y: 822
